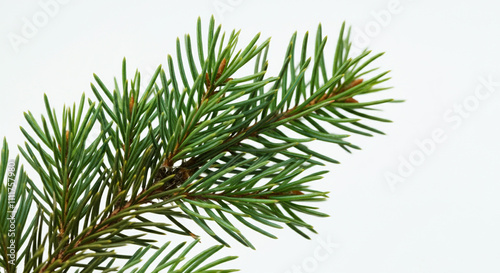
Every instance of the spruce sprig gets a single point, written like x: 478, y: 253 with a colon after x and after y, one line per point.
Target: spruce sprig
x: 201, y: 142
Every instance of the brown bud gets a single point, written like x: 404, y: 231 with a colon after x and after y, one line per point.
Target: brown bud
x: 354, y: 83
x: 351, y: 100
x: 67, y: 136
x: 131, y: 104
x: 221, y: 69
x: 296, y: 192
x: 207, y: 81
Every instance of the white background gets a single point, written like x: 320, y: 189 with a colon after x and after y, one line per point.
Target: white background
x: 395, y: 207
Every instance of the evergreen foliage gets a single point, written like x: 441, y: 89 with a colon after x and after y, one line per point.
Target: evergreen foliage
x: 200, y: 143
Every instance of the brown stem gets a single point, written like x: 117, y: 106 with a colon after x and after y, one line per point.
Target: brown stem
x: 97, y: 228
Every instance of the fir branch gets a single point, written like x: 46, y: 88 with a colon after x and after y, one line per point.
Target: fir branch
x: 201, y: 142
